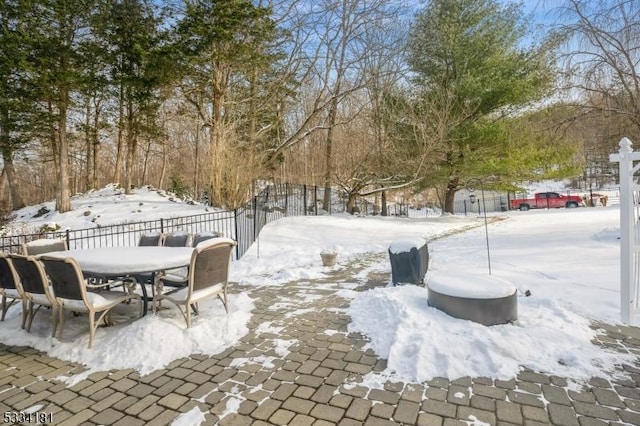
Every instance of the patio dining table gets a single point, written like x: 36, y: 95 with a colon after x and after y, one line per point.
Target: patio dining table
x: 128, y: 262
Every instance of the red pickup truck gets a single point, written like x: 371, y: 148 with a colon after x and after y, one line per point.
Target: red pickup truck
x: 547, y: 200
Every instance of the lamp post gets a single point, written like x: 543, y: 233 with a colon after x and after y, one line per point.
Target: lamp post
x: 472, y: 199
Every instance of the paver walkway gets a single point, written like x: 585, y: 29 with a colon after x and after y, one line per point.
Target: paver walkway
x: 300, y: 366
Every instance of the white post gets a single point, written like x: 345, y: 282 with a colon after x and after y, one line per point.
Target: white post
x: 627, y: 233
x: 626, y: 230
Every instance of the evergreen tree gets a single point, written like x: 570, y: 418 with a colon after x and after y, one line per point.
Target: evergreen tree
x: 56, y: 30
x: 473, y: 73
x: 137, y: 68
x: 13, y: 97
x: 95, y: 95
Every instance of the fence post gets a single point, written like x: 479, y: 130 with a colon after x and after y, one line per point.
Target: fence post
x: 255, y: 217
x: 68, y: 238
x: 304, y: 198
x: 286, y: 199
x: 625, y: 157
x: 235, y: 226
x: 161, y: 225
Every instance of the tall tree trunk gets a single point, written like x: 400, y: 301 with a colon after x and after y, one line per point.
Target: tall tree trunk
x: 145, y: 162
x: 383, y: 200
x: 351, y: 202
x: 450, y: 193
x: 95, y: 143
x: 9, y: 171
x: 5, y: 201
x: 215, y: 137
x: 328, y: 156
x: 165, y: 163
x: 214, y: 141
x: 132, y: 146
x: 253, y: 114
x: 3, y: 187
x: 94, y: 151
x: 131, y: 155
x: 196, y: 160
x: 63, y: 203
x: 88, y: 144
x: 253, y: 142
x: 117, y: 173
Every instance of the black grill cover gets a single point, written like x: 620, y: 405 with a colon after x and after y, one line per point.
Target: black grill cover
x: 409, y: 261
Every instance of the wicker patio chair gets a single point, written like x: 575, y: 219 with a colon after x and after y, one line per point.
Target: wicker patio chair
x: 71, y: 293
x: 44, y: 245
x: 150, y: 239
x: 177, y: 239
x: 205, y: 235
x: 208, y: 276
x: 180, y: 277
x: 176, y: 277
x: 35, y: 288
x: 10, y: 288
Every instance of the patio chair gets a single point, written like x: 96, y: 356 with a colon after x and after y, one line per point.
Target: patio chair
x: 44, y: 245
x: 180, y: 277
x: 35, y: 288
x: 150, y: 239
x: 176, y: 277
x: 205, y: 235
x: 177, y: 239
x: 10, y: 288
x: 71, y: 294
x: 208, y: 276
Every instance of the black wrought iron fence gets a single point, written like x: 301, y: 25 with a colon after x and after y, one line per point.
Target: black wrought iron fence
x: 127, y: 234
x: 242, y: 224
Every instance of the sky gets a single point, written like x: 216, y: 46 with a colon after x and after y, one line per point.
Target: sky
x: 566, y: 259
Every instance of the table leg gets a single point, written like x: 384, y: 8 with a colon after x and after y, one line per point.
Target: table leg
x: 145, y: 299
x: 143, y: 287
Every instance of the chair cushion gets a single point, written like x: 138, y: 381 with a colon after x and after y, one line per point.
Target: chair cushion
x: 181, y: 295
x: 44, y: 246
x: 40, y: 299
x: 12, y: 293
x: 98, y: 301
x: 175, y: 277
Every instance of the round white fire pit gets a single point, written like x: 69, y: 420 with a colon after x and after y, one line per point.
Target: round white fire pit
x: 484, y: 299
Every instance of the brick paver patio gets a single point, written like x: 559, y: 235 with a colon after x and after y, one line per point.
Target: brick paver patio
x: 300, y: 366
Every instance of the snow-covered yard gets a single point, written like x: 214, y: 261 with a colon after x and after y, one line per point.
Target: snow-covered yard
x: 567, y: 259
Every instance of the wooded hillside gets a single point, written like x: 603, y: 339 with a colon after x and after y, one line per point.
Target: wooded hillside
x: 205, y: 98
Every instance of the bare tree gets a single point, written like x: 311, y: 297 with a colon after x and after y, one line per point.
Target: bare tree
x: 602, y: 62
x: 381, y: 162
x: 336, y: 30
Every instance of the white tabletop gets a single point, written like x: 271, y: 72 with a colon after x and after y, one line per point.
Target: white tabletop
x: 127, y: 260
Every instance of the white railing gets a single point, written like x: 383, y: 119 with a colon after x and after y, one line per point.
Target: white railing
x: 629, y: 230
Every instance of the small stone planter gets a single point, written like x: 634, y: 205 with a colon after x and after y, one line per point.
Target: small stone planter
x: 328, y: 258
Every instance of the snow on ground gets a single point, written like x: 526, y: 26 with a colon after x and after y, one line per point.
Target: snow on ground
x: 567, y: 259
x: 106, y: 206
